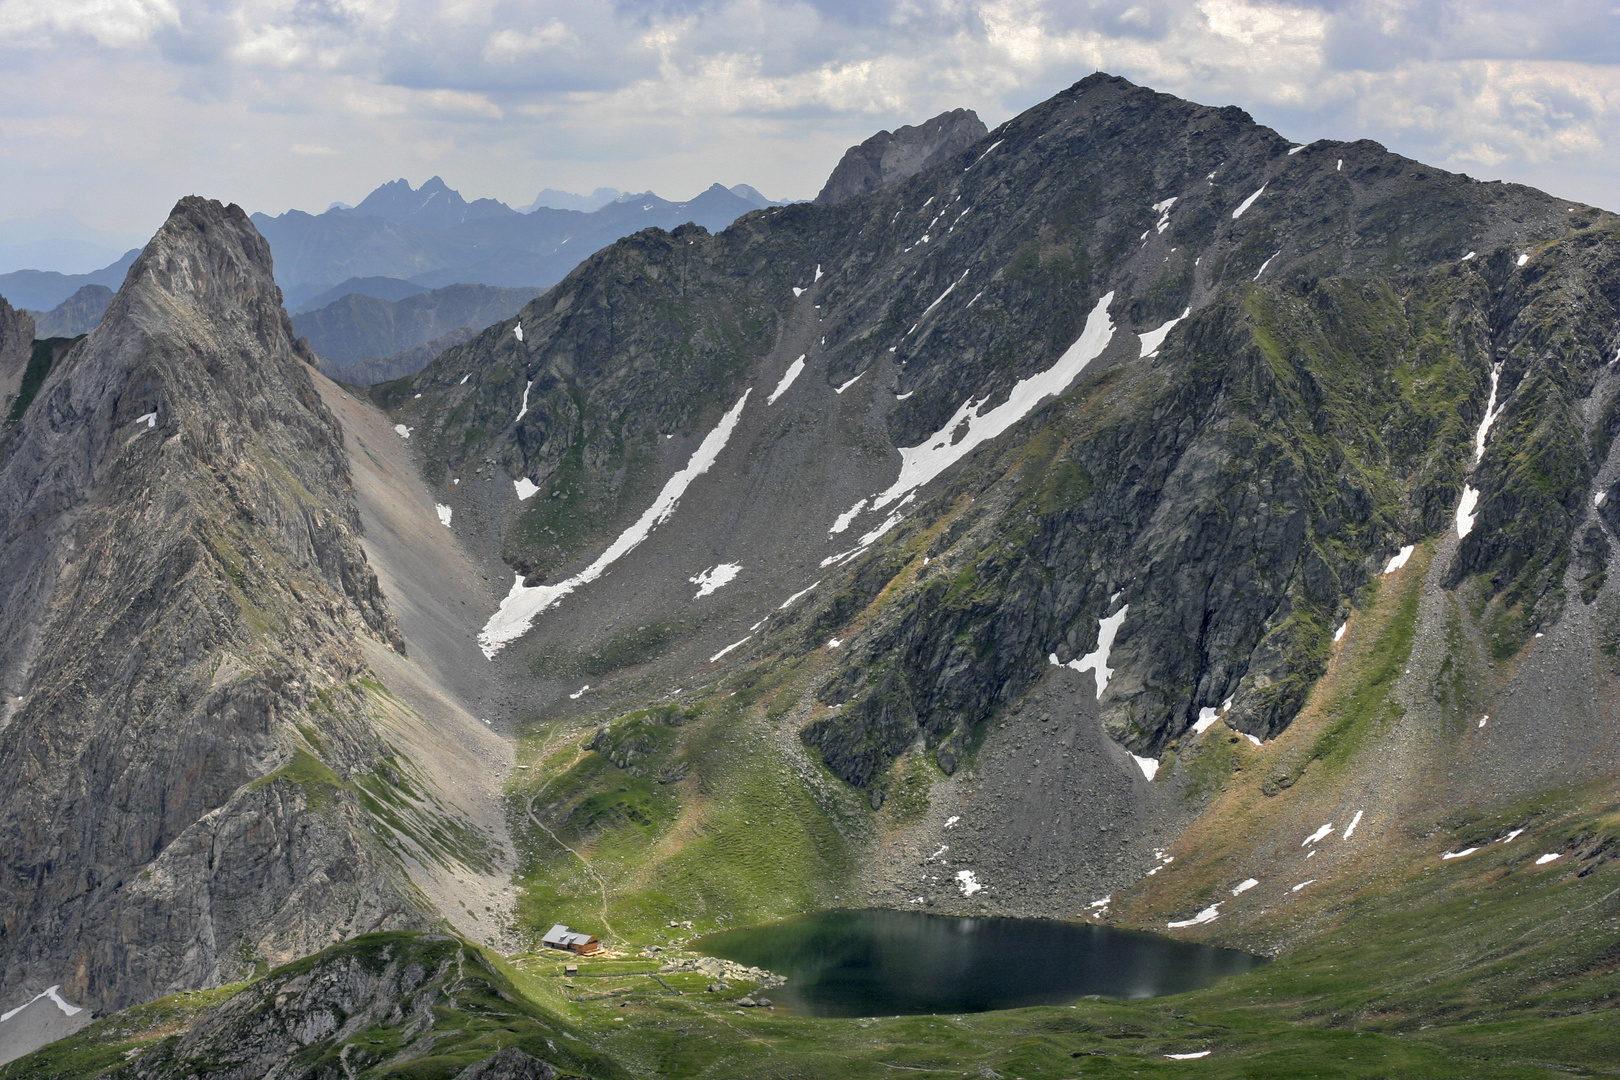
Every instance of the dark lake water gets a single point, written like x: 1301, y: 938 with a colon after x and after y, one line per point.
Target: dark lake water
x: 900, y: 963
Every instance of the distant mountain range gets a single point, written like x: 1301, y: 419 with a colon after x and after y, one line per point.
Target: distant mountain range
x: 42, y: 290
x: 566, y: 200
x: 401, y: 240
x: 431, y: 236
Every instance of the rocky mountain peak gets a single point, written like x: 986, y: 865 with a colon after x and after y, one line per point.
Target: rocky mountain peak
x: 179, y: 572
x: 206, y: 258
x: 891, y: 156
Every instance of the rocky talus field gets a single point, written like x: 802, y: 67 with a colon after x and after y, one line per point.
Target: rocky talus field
x: 1125, y: 516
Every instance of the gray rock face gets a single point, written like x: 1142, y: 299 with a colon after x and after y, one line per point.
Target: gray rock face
x: 1242, y: 457
x: 16, y: 345
x: 182, y: 597
x: 78, y: 314
x: 891, y: 156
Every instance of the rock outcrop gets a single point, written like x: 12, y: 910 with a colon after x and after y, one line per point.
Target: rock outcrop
x: 182, y: 601
x: 891, y: 156
x: 16, y: 346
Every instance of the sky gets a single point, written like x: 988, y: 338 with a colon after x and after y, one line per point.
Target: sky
x: 110, y: 110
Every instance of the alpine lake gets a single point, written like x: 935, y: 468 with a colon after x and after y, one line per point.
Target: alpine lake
x: 878, y: 962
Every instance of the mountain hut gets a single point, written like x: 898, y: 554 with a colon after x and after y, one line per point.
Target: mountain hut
x: 560, y: 937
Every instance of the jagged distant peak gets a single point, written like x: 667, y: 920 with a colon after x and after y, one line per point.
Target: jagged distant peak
x: 434, y: 205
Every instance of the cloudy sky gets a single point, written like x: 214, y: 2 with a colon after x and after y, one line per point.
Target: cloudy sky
x: 111, y: 109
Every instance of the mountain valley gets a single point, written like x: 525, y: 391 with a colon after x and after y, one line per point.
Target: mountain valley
x: 1124, y: 516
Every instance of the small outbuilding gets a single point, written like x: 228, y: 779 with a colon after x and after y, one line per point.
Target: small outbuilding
x: 560, y: 937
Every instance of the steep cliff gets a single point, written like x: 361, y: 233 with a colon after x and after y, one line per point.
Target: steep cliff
x: 182, y: 598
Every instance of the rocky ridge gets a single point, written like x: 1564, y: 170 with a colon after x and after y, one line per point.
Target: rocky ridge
x: 182, y: 604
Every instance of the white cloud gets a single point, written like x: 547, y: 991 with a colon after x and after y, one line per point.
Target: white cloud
x: 151, y: 99
x: 112, y: 24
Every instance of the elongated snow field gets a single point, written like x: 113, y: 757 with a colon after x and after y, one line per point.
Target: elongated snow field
x: 517, y: 612
x: 921, y: 463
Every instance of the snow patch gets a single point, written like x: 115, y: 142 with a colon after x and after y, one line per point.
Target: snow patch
x: 577, y: 694
x: 967, y: 882
x: 1351, y: 828
x: 1484, y: 719
x: 1162, y: 208
x: 728, y: 648
x: 1319, y: 834
x: 1209, y: 914
x: 715, y: 577
x: 1543, y: 861
x: 1509, y: 837
x: 149, y: 419
x: 402, y: 431
x: 1206, y: 720
x: 833, y: 643
x: 68, y: 1009
x: 525, y: 406
x: 1149, y: 766
x: 948, y: 289
x: 518, y: 330
x: 464, y: 379
x: 1302, y: 884
x: 902, y: 397
x: 444, y: 513
x: 849, y: 384
x: 818, y: 274
x: 1295, y: 149
x: 982, y: 156
x: 1338, y: 635
x: 1523, y: 259
x: 795, y: 596
x: 1096, y: 661
x: 1491, y: 413
x: 1465, y: 511
x: 921, y: 463
x: 1155, y: 337
x: 1199, y: 1053
x: 787, y: 380
x: 1398, y: 560
x: 950, y: 822
x: 523, y: 604
x: 1600, y: 498
x: 1265, y: 264
x: 1245, y: 885
x: 1246, y: 203
x: 1470, y: 255
x: 1459, y: 854
x: 797, y: 292
x: 525, y: 487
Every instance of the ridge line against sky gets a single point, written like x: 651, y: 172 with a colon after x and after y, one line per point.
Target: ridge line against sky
x: 112, y: 109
